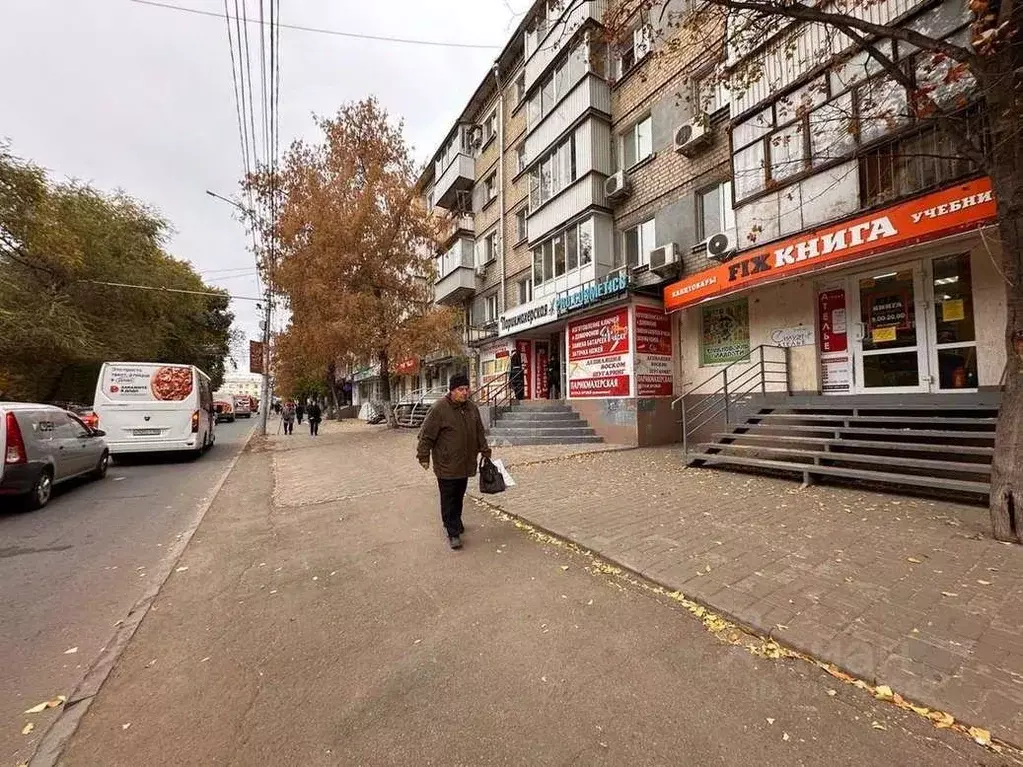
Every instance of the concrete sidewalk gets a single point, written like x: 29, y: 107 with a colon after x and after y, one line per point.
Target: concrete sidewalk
x: 905, y: 592
x: 335, y: 627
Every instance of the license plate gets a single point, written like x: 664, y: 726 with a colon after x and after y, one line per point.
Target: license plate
x: 145, y: 432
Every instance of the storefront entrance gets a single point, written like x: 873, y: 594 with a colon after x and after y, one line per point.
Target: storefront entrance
x: 911, y: 327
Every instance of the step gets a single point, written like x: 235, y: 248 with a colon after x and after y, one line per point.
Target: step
x: 936, y: 420
x: 542, y: 407
x: 793, y: 403
x: 882, y: 477
x: 891, y: 460
x: 521, y: 415
x: 529, y: 423
x: 933, y: 433
x: 516, y: 441
x: 575, y: 431
x: 863, y: 444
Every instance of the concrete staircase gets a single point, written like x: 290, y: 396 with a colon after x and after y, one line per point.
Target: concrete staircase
x: 930, y: 444
x: 540, y: 422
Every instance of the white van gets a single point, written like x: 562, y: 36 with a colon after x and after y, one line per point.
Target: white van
x: 148, y: 407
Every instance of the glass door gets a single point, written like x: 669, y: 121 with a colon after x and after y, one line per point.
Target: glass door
x: 954, y: 352
x: 889, y: 345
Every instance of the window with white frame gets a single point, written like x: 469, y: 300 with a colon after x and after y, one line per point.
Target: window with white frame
x: 564, y: 253
x: 637, y: 242
x: 520, y: 157
x: 633, y: 49
x: 561, y: 80
x: 488, y: 248
x: 525, y: 291
x: 490, y: 188
x: 553, y: 174
x: 521, y: 224
x: 637, y: 142
x: 489, y: 127
x: 831, y: 117
x: 490, y: 308
x: 709, y: 93
x: 714, y: 211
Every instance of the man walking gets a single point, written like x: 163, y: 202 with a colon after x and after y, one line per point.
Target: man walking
x: 553, y: 377
x: 453, y: 435
x: 288, y: 417
x: 299, y: 411
x: 315, y: 414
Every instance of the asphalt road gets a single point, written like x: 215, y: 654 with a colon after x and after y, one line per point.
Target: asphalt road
x: 70, y: 572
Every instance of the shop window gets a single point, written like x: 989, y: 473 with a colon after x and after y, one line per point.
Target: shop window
x: 714, y: 211
x: 955, y: 332
x: 724, y: 333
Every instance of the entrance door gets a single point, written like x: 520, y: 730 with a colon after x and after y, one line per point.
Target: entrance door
x: 889, y: 342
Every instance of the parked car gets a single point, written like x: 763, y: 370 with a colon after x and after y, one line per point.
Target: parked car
x: 224, y: 411
x: 86, y: 413
x: 42, y: 446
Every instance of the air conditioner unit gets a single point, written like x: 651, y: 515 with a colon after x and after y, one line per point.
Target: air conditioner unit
x: 664, y: 258
x: 721, y: 247
x: 617, y: 186
x: 693, y: 136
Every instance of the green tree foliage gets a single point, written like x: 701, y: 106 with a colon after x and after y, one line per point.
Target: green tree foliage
x: 57, y: 240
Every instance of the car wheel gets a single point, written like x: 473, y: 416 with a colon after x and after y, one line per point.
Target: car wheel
x: 101, y: 468
x: 41, y: 491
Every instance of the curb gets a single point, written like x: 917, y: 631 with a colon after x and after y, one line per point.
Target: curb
x: 741, y: 623
x: 51, y: 746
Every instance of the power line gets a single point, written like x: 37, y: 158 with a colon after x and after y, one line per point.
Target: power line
x: 336, y: 33
x: 159, y: 289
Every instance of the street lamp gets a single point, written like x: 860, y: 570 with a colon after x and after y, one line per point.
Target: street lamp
x: 265, y: 398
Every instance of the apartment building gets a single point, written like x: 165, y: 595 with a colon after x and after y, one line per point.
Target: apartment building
x: 861, y: 236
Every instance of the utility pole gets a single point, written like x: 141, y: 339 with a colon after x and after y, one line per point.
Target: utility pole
x: 268, y: 269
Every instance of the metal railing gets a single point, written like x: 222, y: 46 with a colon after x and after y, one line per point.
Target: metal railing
x: 414, y: 406
x: 766, y: 368
x: 496, y: 392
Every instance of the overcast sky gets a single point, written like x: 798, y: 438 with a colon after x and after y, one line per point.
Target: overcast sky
x: 129, y: 96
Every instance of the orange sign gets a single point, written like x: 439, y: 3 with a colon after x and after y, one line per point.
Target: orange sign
x: 925, y: 218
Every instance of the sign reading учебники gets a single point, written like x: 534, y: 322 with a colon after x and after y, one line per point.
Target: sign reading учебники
x: 924, y: 218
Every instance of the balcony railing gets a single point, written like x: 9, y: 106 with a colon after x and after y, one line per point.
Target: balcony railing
x: 458, y: 176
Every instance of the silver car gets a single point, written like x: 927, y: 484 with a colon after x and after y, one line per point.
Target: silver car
x: 41, y: 446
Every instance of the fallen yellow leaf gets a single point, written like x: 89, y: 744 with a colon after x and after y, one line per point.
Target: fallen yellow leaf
x: 39, y: 707
x: 878, y: 726
x: 883, y: 692
x: 942, y: 719
x: 914, y: 560
x: 27, y: 728
x: 949, y: 594
x: 832, y: 693
x: 984, y: 583
x: 564, y: 567
x: 922, y: 710
x: 983, y: 737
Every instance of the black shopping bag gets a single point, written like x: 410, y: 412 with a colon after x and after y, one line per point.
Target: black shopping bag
x: 491, y: 480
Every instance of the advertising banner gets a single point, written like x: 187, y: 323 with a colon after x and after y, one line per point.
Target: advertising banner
x: 599, y: 356
x: 654, y: 373
x: 525, y: 350
x: 836, y: 367
x: 167, y: 383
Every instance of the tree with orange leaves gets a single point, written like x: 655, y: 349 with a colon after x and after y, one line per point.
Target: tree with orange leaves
x: 354, y: 248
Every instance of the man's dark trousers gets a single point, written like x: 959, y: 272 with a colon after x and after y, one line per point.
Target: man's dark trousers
x: 452, y: 493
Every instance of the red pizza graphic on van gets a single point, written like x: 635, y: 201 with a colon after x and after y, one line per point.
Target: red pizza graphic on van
x: 171, y: 383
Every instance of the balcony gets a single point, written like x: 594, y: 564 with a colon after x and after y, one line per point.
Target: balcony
x: 589, y: 93
x: 543, y: 52
x: 586, y: 192
x: 456, y: 274
x: 458, y: 176
x: 456, y: 226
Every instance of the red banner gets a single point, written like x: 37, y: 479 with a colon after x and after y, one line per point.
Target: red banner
x: 256, y: 357
x: 525, y: 350
x: 599, y: 356
x: 934, y: 215
x: 654, y: 370
x: 832, y: 321
x: 540, y: 377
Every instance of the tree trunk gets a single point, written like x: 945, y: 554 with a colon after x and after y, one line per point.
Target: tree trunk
x: 1006, y: 504
x: 385, y: 388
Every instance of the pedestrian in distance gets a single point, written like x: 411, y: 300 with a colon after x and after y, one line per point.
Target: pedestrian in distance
x: 299, y: 412
x: 517, y: 374
x: 288, y: 417
x: 553, y: 377
x: 453, y: 437
x: 315, y: 415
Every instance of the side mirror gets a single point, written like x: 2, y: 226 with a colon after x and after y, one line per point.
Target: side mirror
x: 98, y: 433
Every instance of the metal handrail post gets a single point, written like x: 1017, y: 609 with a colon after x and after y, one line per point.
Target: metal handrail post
x: 788, y: 380
x: 725, y: 371
x: 763, y: 375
